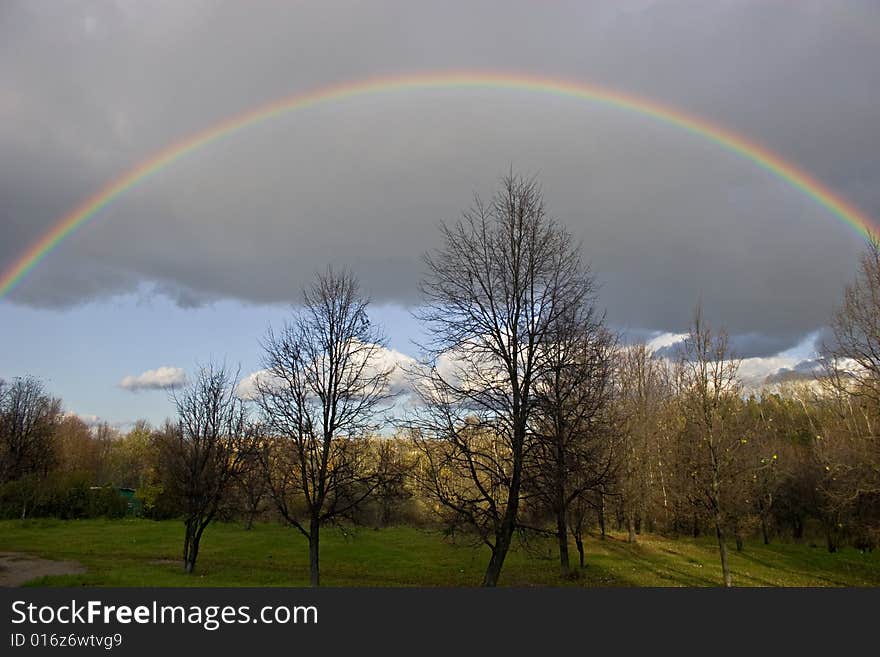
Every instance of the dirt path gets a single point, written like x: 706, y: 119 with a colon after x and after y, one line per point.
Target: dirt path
x: 16, y: 568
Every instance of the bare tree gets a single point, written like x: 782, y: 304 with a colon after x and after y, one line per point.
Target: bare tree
x: 852, y: 359
x: 505, y: 275
x: 251, y: 488
x: 29, y: 418
x: 570, y: 455
x: 853, y: 354
x: 579, y: 510
x: 710, y: 391
x: 204, y: 450
x: 323, y: 390
x: 393, y: 469
x: 644, y: 395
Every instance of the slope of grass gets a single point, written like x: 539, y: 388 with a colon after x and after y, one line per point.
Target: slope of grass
x: 146, y: 553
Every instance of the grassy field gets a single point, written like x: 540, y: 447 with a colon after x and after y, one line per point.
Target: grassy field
x: 146, y: 553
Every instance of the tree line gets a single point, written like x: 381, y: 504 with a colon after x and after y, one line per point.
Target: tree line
x: 527, y: 417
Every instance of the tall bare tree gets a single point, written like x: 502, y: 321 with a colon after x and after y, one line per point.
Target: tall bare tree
x: 852, y: 358
x: 570, y: 455
x: 638, y: 398
x: 647, y: 425
x: 493, y: 293
x: 710, y: 393
x: 323, y: 390
x: 204, y: 450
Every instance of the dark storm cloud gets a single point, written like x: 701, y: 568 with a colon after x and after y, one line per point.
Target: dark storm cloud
x: 90, y: 89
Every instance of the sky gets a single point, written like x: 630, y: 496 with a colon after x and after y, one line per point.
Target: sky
x: 197, y: 261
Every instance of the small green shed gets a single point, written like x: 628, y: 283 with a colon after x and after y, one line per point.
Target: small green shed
x: 135, y: 506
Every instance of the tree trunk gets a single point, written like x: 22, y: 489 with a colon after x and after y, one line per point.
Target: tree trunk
x: 631, y: 528
x: 722, y: 548
x: 579, y: 542
x: 187, y: 547
x: 314, y: 542
x: 601, y: 513
x: 504, y: 533
x: 193, y: 537
x: 562, y: 536
x: 560, y: 503
x: 197, y: 541
x: 830, y: 538
x: 503, y: 539
x: 765, y: 531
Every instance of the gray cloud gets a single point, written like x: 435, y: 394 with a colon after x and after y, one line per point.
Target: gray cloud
x: 807, y: 370
x: 666, y: 218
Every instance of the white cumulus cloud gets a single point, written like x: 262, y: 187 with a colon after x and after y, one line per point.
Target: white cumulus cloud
x: 157, y: 379
x: 247, y: 387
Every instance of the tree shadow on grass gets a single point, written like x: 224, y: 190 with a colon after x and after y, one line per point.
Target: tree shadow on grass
x: 790, y: 564
x: 650, y: 562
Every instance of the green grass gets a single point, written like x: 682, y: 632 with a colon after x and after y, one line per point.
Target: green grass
x: 146, y: 553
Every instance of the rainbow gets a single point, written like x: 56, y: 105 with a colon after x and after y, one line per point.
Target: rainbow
x: 699, y: 127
